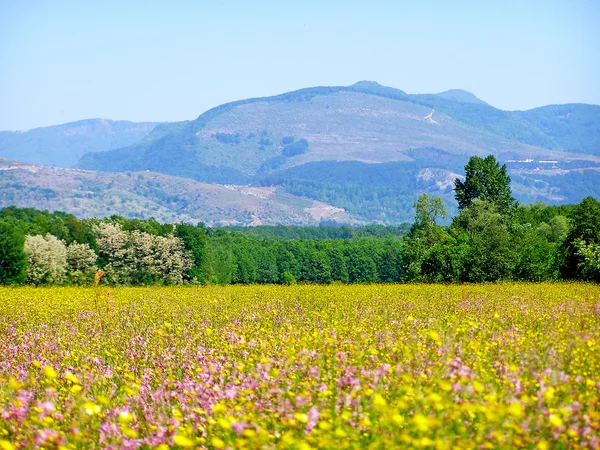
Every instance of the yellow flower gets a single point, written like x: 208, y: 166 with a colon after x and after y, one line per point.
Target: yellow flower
x: 50, y: 373
x: 543, y: 445
x: 398, y: 420
x: 125, y: 417
x: 5, y: 445
x: 91, y: 408
x: 555, y: 420
x: 217, y: 443
x: 379, y: 402
x: 516, y: 409
x: 300, y: 417
x: 184, y: 442
x: 72, y: 378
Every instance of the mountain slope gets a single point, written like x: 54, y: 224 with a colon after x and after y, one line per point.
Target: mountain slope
x: 63, y: 145
x: 367, y: 149
x: 574, y: 127
x: 242, y: 141
x: 147, y: 194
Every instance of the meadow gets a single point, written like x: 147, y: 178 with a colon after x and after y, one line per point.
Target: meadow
x: 363, y: 366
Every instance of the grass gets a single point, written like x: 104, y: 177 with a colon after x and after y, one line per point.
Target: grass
x: 486, y: 366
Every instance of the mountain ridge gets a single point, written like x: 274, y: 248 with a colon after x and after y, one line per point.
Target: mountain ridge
x: 64, y: 144
x: 312, y: 113
x: 368, y: 149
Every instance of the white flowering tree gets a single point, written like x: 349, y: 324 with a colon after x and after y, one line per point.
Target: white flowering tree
x: 46, y: 258
x: 136, y: 257
x: 81, y: 263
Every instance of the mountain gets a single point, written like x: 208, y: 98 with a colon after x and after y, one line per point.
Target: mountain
x: 63, y: 145
x: 367, y: 149
x: 166, y: 198
x: 241, y: 141
x: 372, y: 149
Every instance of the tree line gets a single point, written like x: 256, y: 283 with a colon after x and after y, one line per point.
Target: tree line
x: 492, y: 238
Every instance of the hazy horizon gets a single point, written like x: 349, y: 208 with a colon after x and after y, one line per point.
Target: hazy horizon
x: 148, y: 61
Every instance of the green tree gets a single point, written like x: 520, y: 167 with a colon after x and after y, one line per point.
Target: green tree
x: 194, y: 240
x: 537, y: 255
x: 361, y: 267
x: 590, y: 254
x: 484, y: 180
x: 13, y: 260
x: 560, y: 228
x: 428, y: 210
x: 446, y: 260
x: 585, y: 229
x: 491, y: 247
x: 423, y: 235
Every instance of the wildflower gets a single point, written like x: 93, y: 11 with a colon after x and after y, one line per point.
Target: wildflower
x: 555, y: 420
x: 185, y: 442
x: 217, y: 443
x: 50, y: 373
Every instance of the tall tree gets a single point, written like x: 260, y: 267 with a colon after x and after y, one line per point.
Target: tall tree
x: 13, y: 260
x: 484, y: 180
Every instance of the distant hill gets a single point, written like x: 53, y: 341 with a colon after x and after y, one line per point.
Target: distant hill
x: 346, y: 192
x: 166, y: 198
x: 372, y: 149
x: 63, y: 145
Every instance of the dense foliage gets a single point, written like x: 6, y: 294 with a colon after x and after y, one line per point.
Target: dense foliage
x: 492, y: 238
x: 435, y: 367
x: 13, y: 260
x: 484, y: 180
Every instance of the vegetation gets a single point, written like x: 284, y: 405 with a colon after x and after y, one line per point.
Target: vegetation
x: 13, y: 260
x: 148, y: 194
x: 507, y: 366
x: 484, y: 180
x: 492, y: 238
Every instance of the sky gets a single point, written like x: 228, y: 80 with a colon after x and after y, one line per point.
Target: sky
x: 62, y: 61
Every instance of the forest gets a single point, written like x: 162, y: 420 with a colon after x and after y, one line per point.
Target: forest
x: 492, y: 238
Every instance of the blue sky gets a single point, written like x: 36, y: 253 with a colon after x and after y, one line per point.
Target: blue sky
x: 171, y: 60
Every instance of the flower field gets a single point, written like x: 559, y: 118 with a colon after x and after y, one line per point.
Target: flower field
x: 440, y: 367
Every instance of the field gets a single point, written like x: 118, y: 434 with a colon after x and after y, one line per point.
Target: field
x: 440, y: 367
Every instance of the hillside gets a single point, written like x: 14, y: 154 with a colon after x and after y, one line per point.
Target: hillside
x: 147, y: 194
x: 574, y: 127
x: 367, y: 149
x: 372, y: 149
x: 366, y: 122
x: 63, y: 145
